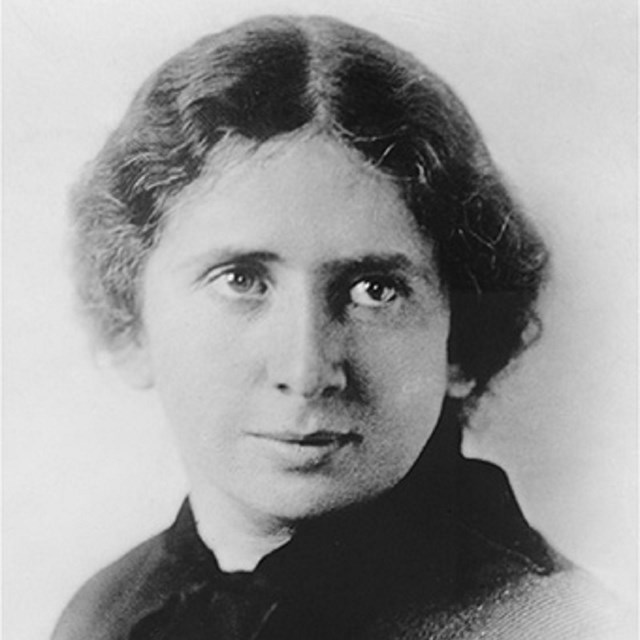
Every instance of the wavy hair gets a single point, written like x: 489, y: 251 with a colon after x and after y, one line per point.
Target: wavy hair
x: 272, y: 76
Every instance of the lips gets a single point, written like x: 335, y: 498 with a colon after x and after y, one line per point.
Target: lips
x: 314, y: 439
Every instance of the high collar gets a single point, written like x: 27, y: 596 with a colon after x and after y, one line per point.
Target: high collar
x: 429, y: 537
x: 383, y: 537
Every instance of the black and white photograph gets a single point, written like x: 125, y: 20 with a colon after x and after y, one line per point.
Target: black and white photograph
x: 319, y: 320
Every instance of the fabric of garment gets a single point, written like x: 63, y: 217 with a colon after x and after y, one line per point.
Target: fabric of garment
x: 445, y: 555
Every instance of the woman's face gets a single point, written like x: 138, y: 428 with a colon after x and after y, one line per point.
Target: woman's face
x: 296, y: 332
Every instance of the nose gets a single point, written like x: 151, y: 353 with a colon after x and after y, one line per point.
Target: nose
x: 306, y: 353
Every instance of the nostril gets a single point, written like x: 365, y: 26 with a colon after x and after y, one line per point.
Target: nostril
x: 331, y: 391
x: 305, y: 367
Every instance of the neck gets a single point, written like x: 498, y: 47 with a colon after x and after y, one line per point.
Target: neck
x: 239, y: 541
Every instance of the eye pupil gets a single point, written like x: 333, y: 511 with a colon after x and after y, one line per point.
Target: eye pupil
x: 373, y: 292
x: 240, y: 280
x: 377, y: 290
x: 245, y: 283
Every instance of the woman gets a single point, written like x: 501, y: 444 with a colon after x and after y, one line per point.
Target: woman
x: 299, y: 239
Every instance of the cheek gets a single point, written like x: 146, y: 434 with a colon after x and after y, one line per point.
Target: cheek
x: 406, y: 373
x: 193, y: 339
x: 200, y: 366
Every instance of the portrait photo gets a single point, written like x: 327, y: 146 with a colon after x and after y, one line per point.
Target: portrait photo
x: 320, y: 320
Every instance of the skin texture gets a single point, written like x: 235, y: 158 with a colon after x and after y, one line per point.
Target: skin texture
x: 296, y: 333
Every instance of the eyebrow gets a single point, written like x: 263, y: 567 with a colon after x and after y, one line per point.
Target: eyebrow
x: 226, y: 255
x: 372, y: 262
x: 382, y: 262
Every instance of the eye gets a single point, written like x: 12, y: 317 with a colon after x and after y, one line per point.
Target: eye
x: 374, y: 292
x: 239, y: 282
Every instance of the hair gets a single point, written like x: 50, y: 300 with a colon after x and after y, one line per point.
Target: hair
x: 272, y: 76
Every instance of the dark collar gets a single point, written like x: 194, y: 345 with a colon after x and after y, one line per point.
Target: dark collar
x: 430, y: 536
x: 417, y: 515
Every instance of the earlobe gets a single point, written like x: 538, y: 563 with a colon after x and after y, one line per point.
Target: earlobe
x: 132, y: 361
x: 458, y: 385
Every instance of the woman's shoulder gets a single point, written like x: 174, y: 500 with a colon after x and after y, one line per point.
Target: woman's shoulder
x: 528, y: 590
x: 508, y: 582
x: 565, y: 605
x: 111, y: 595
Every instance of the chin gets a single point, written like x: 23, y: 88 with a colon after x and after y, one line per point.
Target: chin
x: 299, y: 506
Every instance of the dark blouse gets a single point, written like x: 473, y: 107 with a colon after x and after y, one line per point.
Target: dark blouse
x: 446, y: 554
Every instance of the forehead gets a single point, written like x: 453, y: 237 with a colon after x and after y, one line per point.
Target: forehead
x: 237, y: 157
x: 310, y: 198
x: 317, y: 161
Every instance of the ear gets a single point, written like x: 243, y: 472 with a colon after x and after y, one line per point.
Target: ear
x: 133, y: 362
x: 458, y: 385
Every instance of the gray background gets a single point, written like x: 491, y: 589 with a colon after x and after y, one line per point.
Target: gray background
x: 89, y: 465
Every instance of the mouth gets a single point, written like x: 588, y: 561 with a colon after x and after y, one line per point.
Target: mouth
x: 314, y: 439
x: 296, y: 452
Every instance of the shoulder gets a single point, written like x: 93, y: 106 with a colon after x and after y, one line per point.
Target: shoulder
x: 524, y: 589
x: 566, y: 605
x: 507, y: 583
x: 113, y: 595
